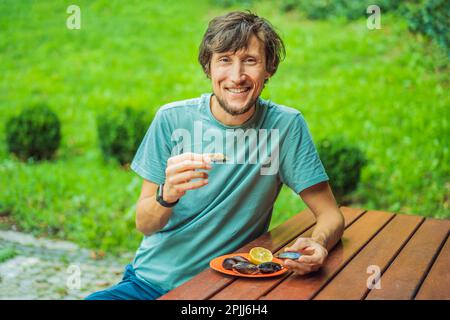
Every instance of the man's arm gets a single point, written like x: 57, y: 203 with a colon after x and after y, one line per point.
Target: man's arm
x: 329, y: 219
x: 326, y: 234
x: 150, y: 215
x: 180, y: 172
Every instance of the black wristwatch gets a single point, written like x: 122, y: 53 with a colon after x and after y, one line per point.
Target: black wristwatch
x: 160, y: 199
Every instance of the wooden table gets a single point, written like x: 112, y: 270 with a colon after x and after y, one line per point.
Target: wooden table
x: 411, y: 253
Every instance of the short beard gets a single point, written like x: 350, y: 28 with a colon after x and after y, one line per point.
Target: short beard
x: 232, y: 112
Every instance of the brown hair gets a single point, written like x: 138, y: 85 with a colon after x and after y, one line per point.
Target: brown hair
x: 233, y: 31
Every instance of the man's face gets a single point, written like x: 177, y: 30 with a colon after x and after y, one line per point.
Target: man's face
x: 238, y: 78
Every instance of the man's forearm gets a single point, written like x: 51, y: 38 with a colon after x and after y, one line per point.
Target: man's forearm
x: 329, y: 219
x: 151, y: 216
x: 329, y: 229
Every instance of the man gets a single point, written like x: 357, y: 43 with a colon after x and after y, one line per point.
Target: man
x: 192, y: 208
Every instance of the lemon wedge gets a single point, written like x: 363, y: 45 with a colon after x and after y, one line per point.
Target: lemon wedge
x: 260, y: 255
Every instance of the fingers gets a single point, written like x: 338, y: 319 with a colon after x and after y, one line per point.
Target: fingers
x: 299, y: 244
x: 184, y: 168
x: 186, y: 165
x: 303, y: 251
x: 300, y: 268
x: 191, y: 185
x: 189, y: 156
x: 313, y: 256
x: 186, y: 177
x: 307, y: 251
x: 316, y: 258
x: 201, y: 157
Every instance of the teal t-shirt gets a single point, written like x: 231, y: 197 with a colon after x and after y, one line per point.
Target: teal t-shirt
x: 274, y: 147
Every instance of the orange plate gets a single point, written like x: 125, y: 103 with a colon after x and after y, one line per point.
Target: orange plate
x: 216, y: 264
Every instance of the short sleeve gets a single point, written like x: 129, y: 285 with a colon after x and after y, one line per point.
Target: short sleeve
x: 300, y: 165
x: 151, y: 157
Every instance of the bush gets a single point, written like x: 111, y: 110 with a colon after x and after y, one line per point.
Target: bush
x: 431, y: 18
x: 349, y: 9
x: 120, y: 132
x: 289, y: 5
x: 34, y: 134
x: 343, y: 163
x: 7, y: 253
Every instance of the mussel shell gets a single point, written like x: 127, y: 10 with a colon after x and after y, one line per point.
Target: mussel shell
x: 240, y: 259
x: 289, y: 255
x: 269, y: 267
x: 228, y: 263
x: 246, y: 268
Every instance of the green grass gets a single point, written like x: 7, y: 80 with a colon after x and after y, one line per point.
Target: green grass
x: 7, y: 253
x: 382, y: 89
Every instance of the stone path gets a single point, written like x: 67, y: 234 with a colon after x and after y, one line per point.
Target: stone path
x: 51, y: 269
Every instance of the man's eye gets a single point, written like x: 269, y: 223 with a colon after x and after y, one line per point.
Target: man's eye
x: 250, y: 60
x: 224, y: 59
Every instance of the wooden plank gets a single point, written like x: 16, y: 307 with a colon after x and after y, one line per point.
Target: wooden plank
x: 437, y: 283
x: 208, y: 282
x: 351, y: 282
x: 297, y: 287
x: 252, y: 289
x: 404, y: 276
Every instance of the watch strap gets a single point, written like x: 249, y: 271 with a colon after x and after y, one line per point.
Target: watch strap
x: 160, y: 199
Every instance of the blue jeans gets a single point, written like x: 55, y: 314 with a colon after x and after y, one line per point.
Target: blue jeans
x: 130, y: 288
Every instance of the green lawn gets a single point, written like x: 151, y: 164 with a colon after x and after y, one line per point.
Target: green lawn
x: 382, y: 89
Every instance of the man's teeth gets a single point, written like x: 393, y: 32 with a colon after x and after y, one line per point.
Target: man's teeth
x: 233, y: 90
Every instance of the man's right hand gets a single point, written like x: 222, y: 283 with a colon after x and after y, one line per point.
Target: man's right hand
x: 180, y: 172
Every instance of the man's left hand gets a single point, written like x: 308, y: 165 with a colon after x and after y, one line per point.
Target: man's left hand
x: 313, y: 256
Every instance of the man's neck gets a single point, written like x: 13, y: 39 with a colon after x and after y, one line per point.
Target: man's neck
x: 226, y: 118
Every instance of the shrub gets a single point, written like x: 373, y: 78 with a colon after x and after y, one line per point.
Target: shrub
x: 34, y: 134
x: 289, y: 5
x: 343, y: 163
x: 7, y: 253
x: 431, y: 18
x: 120, y: 132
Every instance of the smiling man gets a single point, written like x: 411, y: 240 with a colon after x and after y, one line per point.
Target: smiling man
x: 192, y: 208
x: 238, y: 79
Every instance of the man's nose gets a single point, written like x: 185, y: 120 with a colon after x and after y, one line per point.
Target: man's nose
x: 237, y: 73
